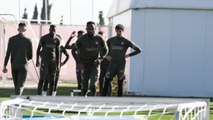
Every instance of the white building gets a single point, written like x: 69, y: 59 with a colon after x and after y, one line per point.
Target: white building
x: 176, y: 37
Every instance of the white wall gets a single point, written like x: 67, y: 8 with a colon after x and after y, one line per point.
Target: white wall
x: 177, y: 52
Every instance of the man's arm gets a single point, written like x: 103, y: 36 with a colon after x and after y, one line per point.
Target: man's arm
x: 63, y: 50
x: 7, y: 57
x: 57, y: 53
x: 75, y: 53
x: 67, y: 46
x: 136, y: 48
x: 104, y: 50
x: 30, y: 52
x: 38, y: 54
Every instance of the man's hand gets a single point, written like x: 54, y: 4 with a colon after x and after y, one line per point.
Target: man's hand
x: 97, y: 62
x: 126, y: 56
x: 4, y: 70
x: 109, y: 58
x: 37, y: 64
x: 72, y: 34
x: 58, y: 68
x: 62, y: 64
x: 80, y: 66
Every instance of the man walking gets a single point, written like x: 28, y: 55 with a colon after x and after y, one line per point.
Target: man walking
x: 50, y: 44
x: 20, y: 50
x: 92, y: 50
x: 46, y: 83
x: 118, y: 46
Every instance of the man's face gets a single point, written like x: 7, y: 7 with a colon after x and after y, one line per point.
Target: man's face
x: 22, y: 29
x: 91, y: 29
x: 118, y: 32
x: 79, y: 35
x: 52, y: 30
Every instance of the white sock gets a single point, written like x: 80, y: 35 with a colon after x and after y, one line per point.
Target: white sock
x: 54, y: 93
x: 44, y: 93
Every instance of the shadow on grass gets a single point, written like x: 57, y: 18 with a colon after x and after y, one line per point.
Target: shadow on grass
x: 7, y: 92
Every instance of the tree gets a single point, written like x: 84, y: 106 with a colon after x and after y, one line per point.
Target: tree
x: 101, y: 19
x: 35, y: 15
x: 25, y: 14
x: 43, y: 13
x: 61, y: 21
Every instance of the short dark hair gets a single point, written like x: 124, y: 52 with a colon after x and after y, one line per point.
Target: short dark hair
x: 21, y: 24
x: 119, y: 26
x: 90, y: 23
x: 52, y: 26
x: 100, y: 32
x: 80, y: 32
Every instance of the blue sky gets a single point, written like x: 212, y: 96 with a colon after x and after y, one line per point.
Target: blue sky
x: 73, y: 11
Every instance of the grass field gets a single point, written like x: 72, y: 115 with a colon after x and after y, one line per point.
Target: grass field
x: 5, y: 94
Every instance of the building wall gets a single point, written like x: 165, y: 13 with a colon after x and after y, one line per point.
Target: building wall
x: 177, y: 56
x: 35, y: 31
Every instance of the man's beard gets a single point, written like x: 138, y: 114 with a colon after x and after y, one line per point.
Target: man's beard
x: 90, y: 34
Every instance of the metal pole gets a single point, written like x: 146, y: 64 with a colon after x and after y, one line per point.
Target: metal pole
x: 4, y: 78
x: 3, y: 49
x: 3, y: 43
x: 70, y: 12
x: 46, y: 11
x: 19, y: 16
x: 92, y: 10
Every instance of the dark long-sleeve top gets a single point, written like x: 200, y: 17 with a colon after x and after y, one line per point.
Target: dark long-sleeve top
x: 90, y: 49
x: 63, y: 50
x: 50, y: 48
x: 118, y: 47
x: 20, y: 50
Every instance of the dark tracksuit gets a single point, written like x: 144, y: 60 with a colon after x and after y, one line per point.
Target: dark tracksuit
x: 46, y: 83
x: 20, y: 50
x: 91, y: 49
x: 78, y: 69
x: 103, y: 71
x: 117, y: 50
x: 49, y: 60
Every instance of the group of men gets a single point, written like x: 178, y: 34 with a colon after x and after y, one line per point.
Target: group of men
x: 93, y: 55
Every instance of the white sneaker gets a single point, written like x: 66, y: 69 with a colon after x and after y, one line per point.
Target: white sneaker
x: 54, y: 93
x: 44, y: 93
